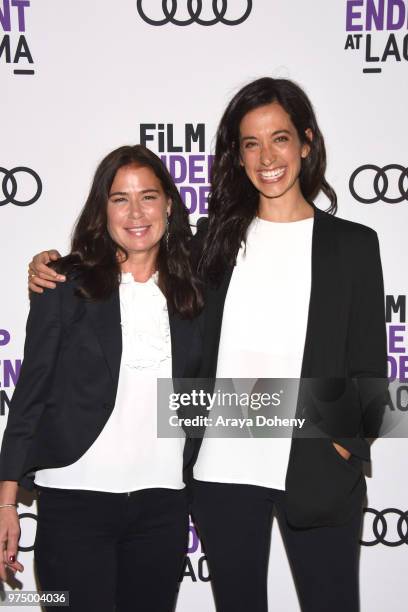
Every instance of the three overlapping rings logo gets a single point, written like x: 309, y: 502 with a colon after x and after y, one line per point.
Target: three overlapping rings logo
x: 381, y: 184
x: 383, y: 522
x: 194, y: 10
x: 9, y: 186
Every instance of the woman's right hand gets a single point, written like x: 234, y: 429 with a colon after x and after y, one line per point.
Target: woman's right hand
x: 9, y: 537
x: 40, y: 276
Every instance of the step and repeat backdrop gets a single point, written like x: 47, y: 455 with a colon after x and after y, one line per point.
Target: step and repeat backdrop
x: 79, y: 79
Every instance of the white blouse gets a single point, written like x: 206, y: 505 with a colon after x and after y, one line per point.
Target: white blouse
x: 127, y: 455
x: 262, y: 336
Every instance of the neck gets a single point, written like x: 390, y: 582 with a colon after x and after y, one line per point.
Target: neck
x: 291, y: 206
x: 141, y: 265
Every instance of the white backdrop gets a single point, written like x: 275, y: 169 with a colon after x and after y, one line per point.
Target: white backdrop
x: 102, y: 77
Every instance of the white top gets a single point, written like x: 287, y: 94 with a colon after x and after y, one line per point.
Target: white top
x: 127, y: 455
x: 262, y: 336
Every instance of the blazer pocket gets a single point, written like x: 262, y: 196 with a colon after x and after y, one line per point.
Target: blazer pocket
x: 348, y: 463
x: 322, y: 488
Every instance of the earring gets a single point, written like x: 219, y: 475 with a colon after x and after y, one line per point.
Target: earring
x: 167, y: 233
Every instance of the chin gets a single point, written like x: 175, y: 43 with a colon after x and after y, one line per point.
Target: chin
x: 141, y: 247
x: 272, y: 193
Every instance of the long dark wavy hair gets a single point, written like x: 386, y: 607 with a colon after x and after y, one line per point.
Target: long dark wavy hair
x: 93, y: 258
x: 234, y: 201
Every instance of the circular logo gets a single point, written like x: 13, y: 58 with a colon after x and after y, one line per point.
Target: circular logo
x: 25, y: 515
x: 380, y: 184
x: 9, y: 186
x: 382, y: 521
x: 169, y: 14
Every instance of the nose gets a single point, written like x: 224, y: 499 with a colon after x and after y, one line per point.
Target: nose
x: 267, y: 154
x: 135, y: 208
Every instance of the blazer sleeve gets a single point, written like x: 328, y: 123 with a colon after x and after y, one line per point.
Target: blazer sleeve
x: 367, y: 341
x: 43, y: 335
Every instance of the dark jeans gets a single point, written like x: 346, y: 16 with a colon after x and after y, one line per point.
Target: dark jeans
x: 234, y: 522
x: 112, y: 549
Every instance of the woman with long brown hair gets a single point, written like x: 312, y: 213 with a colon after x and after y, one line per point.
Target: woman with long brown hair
x: 292, y: 292
x: 112, y: 506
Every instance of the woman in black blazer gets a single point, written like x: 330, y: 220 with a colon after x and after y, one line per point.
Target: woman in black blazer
x: 108, y: 528
x: 269, y: 167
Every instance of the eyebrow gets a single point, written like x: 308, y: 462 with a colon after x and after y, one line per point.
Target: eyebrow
x: 273, y: 134
x: 125, y: 193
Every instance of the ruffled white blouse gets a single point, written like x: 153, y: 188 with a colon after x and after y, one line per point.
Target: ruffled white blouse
x: 145, y: 331
x: 128, y: 455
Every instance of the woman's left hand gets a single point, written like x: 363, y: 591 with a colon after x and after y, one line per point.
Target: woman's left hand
x: 342, y: 451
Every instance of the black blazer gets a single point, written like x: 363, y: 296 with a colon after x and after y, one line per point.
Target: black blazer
x: 345, y: 337
x: 68, y: 380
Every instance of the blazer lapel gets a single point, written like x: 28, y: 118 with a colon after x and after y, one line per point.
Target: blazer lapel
x: 214, y: 308
x: 180, y: 344
x: 105, y: 317
x: 327, y: 315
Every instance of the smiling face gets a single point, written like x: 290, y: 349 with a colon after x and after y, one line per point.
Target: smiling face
x: 137, y: 209
x: 271, y: 152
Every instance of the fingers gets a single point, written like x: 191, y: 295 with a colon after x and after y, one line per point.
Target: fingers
x: 12, y: 548
x: 38, y: 265
x: 35, y: 288
x: 15, y: 565
x: 53, y: 254
x: 44, y: 272
x: 9, y: 545
x: 342, y: 451
x: 41, y: 258
x: 40, y: 276
x: 3, y: 574
x: 37, y: 284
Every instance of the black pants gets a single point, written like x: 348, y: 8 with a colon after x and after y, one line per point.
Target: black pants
x: 112, y: 549
x: 234, y: 522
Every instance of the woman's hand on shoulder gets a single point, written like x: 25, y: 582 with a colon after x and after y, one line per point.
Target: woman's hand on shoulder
x: 40, y: 276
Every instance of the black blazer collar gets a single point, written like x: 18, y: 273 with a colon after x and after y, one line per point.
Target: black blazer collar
x: 325, y: 299
x: 105, y: 317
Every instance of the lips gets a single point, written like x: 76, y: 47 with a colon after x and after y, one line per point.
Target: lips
x: 273, y: 175
x: 138, y: 231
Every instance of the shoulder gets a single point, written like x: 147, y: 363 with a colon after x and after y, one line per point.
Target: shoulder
x: 73, y: 271
x: 350, y: 234
x: 55, y: 299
